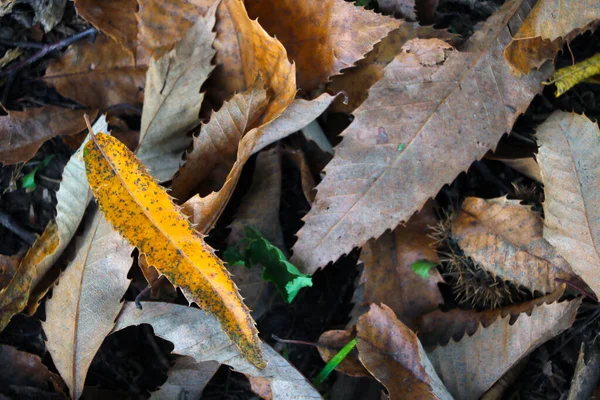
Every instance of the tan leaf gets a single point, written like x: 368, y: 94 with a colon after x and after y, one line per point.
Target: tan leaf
x: 427, y: 120
x: 86, y: 301
x: 471, y: 366
x: 548, y: 26
x: 394, y: 356
x: 173, y: 99
x: 387, y: 269
x: 186, y: 378
x: 568, y: 157
x: 321, y: 36
x: 8, y: 267
x: 199, y: 335
x: 528, y: 166
x: 98, y: 75
x: 506, y: 239
x: 116, y: 18
x: 306, y: 177
x: 23, y: 132
x: 331, y: 342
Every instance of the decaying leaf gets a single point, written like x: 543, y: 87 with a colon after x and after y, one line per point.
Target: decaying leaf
x: 394, y: 356
x: 98, y: 75
x: 321, y: 36
x: 48, y: 13
x: 22, y: 375
x: 186, y: 379
x: 566, y: 78
x: 568, y: 157
x: 116, y: 18
x: 143, y: 213
x: 549, y: 25
x: 86, y: 301
x: 426, y: 120
x: 387, y: 269
x: 173, y: 98
x: 308, y: 181
x: 506, y: 239
x: 404, y: 9
x: 23, y: 132
x: 470, y: 367
x: 331, y: 342
x: 199, y: 335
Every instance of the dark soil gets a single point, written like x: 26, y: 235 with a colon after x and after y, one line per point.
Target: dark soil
x: 133, y: 362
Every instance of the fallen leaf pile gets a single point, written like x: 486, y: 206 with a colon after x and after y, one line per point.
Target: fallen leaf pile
x: 218, y: 107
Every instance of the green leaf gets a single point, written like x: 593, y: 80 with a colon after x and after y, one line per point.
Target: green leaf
x: 28, y: 181
x: 422, y: 268
x: 276, y: 268
x: 334, y: 362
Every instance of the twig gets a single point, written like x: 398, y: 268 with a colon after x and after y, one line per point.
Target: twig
x: 9, y: 223
x: 25, y: 45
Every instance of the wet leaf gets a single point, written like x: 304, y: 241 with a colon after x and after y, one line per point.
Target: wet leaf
x: 506, y: 239
x: 471, y: 366
x: 86, y: 301
x: 443, y: 108
x: 198, y: 335
x: 394, y: 356
x: 144, y: 213
x: 568, y: 157
x: 23, y: 132
x: 321, y: 36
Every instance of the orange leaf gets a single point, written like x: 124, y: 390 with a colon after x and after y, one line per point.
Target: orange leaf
x: 144, y: 214
x: 430, y: 116
x: 321, y: 36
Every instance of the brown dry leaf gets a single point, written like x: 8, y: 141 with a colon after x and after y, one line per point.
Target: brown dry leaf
x: 215, y: 148
x: 306, y: 177
x: 8, y: 267
x: 87, y: 300
x: 568, y: 157
x: 356, y: 81
x: 548, y: 26
x: 438, y: 327
x: 394, y: 356
x: 116, y: 18
x: 388, y: 270
x: 173, y: 99
x: 186, y: 379
x: 331, y: 342
x: 470, y: 367
x: 506, y: 239
x: 98, y: 75
x: 321, y: 36
x: 23, y: 132
x: 22, y: 375
x: 427, y: 120
x: 200, y: 336
x: 528, y: 166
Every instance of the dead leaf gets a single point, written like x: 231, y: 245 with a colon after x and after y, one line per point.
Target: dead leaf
x: 306, y: 177
x: 116, y: 18
x: 506, y: 239
x: 425, y: 10
x: 23, y: 132
x: 86, y: 301
x: 388, y: 270
x: 173, y: 99
x: 399, y: 8
x: 549, y: 25
x: 470, y: 367
x: 186, y: 378
x: 215, y: 148
x: 331, y: 342
x: 199, y: 335
x: 421, y: 123
x: 567, y: 77
x: 8, y: 267
x: 22, y: 375
x: 528, y: 166
x: 48, y: 13
x: 98, y: 75
x: 144, y: 213
x: 394, y: 356
x: 9, y: 56
x: 569, y: 145
x: 321, y: 36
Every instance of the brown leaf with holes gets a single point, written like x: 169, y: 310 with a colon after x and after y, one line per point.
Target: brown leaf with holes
x: 568, y: 157
x: 426, y: 120
x: 550, y: 25
x: 321, y: 36
x: 23, y: 132
x: 471, y: 366
x: 387, y: 269
x: 506, y: 239
x: 116, y: 18
x: 331, y: 342
x: 394, y: 356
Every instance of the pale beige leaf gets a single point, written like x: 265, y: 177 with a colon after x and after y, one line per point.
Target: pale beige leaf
x: 568, y: 157
x: 430, y: 116
x: 173, y: 99
x: 470, y: 367
x: 86, y: 301
x: 199, y: 335
x: 186, y: 379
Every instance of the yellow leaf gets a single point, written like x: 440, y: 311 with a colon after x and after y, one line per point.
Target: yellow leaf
x: 566, y: 78
x: 144, y: 214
